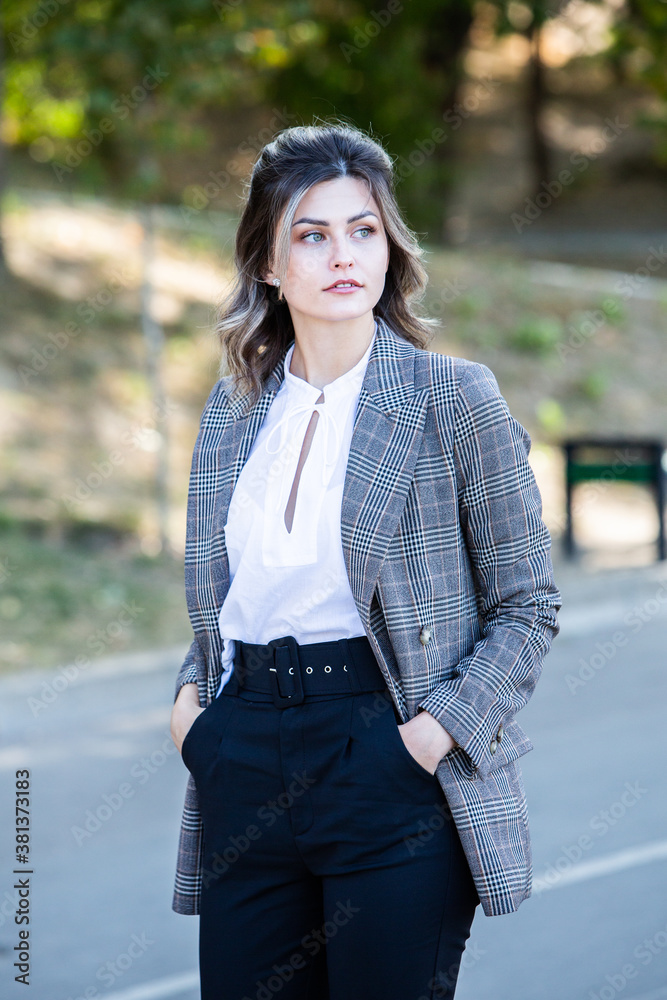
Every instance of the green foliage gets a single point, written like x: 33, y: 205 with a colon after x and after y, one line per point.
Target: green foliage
x: 594, y: 385
x: 83, y: 69
x: 614, y: 310
x: 471, y: 303
x: 86, y: 71
x: 551, y: 417
x: 113, y: 84
x: 537, y: 334
x: 80, y: 590
x: 640, y: 50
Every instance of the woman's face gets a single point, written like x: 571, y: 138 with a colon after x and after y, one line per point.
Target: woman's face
x: 337, y: 237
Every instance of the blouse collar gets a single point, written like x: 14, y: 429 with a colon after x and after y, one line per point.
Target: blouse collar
x: 346, y: 384
x: 302, y: 397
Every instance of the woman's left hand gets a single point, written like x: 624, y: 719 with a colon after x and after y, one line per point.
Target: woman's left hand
x: 426, y: 740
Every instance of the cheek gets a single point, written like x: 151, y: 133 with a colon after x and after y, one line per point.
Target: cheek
x: 380, y: 264
x: 378, y: 257
x: 303, y: 264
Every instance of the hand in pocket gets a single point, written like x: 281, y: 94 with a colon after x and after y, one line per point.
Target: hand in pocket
x: 183, y: 714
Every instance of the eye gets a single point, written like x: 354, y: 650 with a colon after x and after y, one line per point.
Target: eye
x: 367, y: 229
x: 306, y: 235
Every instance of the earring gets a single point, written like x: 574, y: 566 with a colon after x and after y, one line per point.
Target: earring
x: 276, y: 282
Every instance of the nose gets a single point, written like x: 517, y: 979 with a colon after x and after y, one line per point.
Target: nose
x: 341, y: 256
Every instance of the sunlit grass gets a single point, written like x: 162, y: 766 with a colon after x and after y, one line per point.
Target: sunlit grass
x: 64, y: 599
x: 79, y: 437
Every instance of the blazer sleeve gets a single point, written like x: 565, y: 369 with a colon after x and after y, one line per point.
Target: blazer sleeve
x: 500, y: 512
x: 187, y: 673
x: 194, y: 664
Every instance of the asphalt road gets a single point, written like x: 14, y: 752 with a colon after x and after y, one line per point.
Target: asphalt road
x: 106, y: 790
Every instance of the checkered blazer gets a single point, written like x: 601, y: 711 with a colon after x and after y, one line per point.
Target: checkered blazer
x: 443, y: 541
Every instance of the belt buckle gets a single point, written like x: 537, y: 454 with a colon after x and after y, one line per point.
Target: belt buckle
x: 286, y: 661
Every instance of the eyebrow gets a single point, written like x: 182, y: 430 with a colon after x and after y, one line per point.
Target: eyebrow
x: 321, y: 222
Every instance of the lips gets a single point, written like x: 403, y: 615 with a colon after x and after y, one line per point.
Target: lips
x: 344, y: 283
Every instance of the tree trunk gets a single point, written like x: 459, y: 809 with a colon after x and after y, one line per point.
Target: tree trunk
x: 154, y: 339
x: 539, y: 151
x: 447, y: 38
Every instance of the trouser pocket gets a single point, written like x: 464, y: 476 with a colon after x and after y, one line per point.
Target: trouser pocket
x: 204, y: 736
x: 395, y: 736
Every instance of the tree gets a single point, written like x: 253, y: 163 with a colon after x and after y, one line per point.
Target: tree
x: 3, y: 154
x: 528, y: 19
x: 397, y: 71
x: 105, y: 92
x: 641, y: 30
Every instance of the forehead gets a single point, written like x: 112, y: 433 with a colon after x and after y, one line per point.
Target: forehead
x: 342, y: 196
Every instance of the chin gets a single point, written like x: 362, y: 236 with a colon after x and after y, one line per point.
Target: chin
x: 336, y: 309
x: 347, y: 308
x: 341, y: 315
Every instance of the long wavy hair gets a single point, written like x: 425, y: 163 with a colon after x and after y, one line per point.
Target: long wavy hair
x: 253, y: 321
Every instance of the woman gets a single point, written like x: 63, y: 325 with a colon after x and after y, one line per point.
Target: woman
x: 369, y: 583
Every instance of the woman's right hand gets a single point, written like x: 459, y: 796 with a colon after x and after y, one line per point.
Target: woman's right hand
x: 183, y: 714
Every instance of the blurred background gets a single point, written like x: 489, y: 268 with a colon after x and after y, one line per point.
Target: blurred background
x: 530, y: 143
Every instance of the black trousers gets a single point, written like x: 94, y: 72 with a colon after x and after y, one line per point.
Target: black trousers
x: 332, y: 867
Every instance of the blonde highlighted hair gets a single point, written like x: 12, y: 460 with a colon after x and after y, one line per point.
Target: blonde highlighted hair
x: 253, y: 321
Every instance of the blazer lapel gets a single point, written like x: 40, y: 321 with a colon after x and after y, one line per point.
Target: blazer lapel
x: 388, y: 427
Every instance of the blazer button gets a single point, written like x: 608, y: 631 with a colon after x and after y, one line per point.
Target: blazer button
x: 425, y: 635
x: 493, y: 747
x: 499, y: 734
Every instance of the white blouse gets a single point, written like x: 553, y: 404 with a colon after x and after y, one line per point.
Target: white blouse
x: 282, y: 581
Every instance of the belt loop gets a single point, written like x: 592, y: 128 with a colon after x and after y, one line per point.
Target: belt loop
x: 348, y: 660
x: 232, y: 684
x: 254, y: 660
x: 235, y: 681
x: 240, y: 666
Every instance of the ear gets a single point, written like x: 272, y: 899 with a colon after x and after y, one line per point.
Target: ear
x: 269, y: 278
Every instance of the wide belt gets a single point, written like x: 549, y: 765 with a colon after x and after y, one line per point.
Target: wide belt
x: 292, y: 672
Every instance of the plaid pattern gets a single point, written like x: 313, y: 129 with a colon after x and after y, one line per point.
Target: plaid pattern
x: 189, y: 677
x: 441, y: 528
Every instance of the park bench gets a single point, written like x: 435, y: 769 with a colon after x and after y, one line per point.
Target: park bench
x: 614, y: 460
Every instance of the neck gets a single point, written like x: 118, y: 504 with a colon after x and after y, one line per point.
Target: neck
x: 324, y: 351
